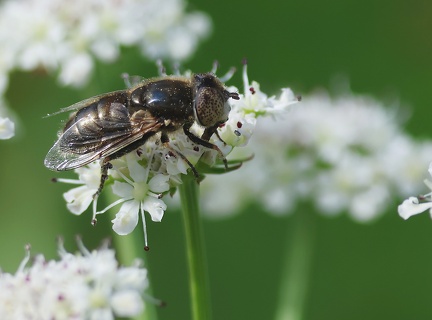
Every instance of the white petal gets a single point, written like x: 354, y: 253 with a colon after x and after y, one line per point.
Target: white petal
x: 78, y: 199
x: 159, y: 183
x: 155, y: 207
x: 7, y: 128
x: 123, y: 189
x: 127, y: 218
x: 127, y: 303
x: 411, y: 206
x: 137, y: 172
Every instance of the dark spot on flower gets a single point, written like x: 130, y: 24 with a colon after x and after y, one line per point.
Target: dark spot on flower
x: 252, y: 90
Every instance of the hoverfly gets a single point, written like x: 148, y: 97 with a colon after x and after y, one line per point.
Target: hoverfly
x: 110, y: 125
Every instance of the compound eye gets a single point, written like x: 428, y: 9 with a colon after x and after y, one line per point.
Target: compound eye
x: 210, y: 107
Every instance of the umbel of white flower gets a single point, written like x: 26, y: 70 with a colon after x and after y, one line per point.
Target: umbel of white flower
x: 346, y: 154
x: 86, y: 285
x: 141, y: 179
x: 67, y: 36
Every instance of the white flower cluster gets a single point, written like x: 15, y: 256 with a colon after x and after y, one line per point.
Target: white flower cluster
x: 65, y: 37
x: 140, y: 179
x: 345, y: 154
x: 87, y: 285
x: 68, y: 35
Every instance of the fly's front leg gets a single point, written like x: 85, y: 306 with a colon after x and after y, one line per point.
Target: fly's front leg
x: 208, y: 132
x: 203, y: 141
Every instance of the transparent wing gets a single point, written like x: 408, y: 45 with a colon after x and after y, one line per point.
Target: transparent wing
x: 74, y: 149
x: 86, y: 102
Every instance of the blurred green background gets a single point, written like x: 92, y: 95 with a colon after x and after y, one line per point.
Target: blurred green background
x: 381, y: 270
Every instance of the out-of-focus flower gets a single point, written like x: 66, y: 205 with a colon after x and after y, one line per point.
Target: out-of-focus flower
x: 86, y: 285
x: 346, y: 154
x: 67, y: 36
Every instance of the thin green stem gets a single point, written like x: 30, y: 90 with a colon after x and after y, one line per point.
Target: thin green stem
x: 296, y: 269
x: 195, y: 247
x: 128, y: 249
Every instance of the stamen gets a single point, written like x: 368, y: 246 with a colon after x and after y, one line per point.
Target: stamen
x: 126, y: 78
x: 81, y: 247
x: 25, y: 260
x: 214, y: 67
x: 146, y: 247
x: 245, y: 78
x: 153, y: 300
x: 155, y: 195
x: 122, y: 175
x: 61, y: 249
x: 94, y: 220
x: 176, y: 68
x: 70, y: 181
x: 227, y: 76
x: 149, y: 162
x: 161, y: 68
x: 113, y: 205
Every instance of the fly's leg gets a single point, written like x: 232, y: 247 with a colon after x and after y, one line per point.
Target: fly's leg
x: 165, y: 140
x: 105, y: 165
x: 203, y: 141
x: 208, y: 132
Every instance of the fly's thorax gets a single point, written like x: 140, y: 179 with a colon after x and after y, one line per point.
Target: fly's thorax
x: 169, y: 98
x: 210, y: 105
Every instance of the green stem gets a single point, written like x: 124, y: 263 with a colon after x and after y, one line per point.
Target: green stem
x: 128, y: 249
x: 296, y: 269
x: 195, y: 247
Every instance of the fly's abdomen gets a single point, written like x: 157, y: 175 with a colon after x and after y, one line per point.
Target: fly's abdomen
x: 100, y: 121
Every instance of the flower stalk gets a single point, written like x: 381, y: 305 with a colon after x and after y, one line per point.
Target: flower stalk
x: 128, y: 249
x: 195, y: 247
x: 296, y: 269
